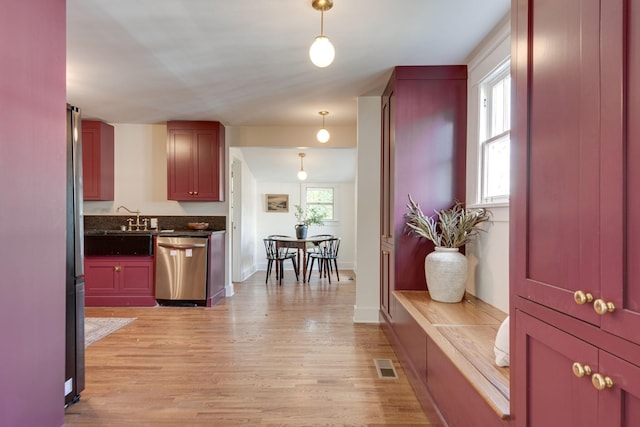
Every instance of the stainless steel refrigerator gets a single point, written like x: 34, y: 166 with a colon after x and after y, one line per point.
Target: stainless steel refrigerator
x: 74, y: 337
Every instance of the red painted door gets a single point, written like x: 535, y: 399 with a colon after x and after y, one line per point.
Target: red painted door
x: 206, y: 161
x: 97, y: 160
x: 90, y: 162
x: 180, y: 164
x: 386, y: 279
x: 136, y: 277
x: 620, y: 404
x: 620, y: 206
x: 195, y: 161
x: 549, y: 393
x: 556, y: 154
x: 101, y: 277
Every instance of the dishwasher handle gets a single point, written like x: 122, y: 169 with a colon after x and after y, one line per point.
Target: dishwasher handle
x: 182, y: 246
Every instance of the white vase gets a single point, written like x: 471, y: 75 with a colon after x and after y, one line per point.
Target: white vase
x: 446, y: 273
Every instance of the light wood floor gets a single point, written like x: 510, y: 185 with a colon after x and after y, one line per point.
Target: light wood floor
x: 270, y: 355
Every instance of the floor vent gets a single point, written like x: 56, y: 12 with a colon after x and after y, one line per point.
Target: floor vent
x: 385, y: 369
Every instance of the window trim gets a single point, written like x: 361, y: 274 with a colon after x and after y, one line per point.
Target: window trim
x: 484, y: 124
x: 304, y: 203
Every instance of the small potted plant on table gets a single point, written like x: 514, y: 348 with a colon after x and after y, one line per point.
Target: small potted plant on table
x: 311, y: 216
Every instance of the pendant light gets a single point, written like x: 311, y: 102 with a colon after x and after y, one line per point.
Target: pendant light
x: 322, y: 52
x: 323, y: 134
x: 302, y: 175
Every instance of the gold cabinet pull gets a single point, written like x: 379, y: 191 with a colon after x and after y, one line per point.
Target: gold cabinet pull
x: 116, y: 268
x: 580, y: 370
x: 581, y: 297
x: 602, y: 307
x: 601, y: 382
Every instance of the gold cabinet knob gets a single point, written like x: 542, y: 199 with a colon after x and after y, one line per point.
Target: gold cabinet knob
x: 602, y: 307
x: 601, y: 382
x: 581, y: 297
x: 116, y: 268
x: 580, y: 370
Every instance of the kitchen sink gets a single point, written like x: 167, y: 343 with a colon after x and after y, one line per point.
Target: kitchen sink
x: 116, y: 242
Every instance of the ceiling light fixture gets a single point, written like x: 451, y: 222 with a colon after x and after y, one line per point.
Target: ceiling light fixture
x: 323, y: 134
x: 302, y: 175
x: 321, y: 51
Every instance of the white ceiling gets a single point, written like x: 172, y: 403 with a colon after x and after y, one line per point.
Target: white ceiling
x: 246, y: 63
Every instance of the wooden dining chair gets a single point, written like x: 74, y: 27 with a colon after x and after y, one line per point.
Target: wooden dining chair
x: 326, y: 253
x: 278, y: 255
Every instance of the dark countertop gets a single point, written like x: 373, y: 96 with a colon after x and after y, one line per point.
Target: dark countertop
x: 168, y: 233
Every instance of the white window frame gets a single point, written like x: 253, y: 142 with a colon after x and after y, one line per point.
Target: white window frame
x: 332, y: 188
x: 487, y: 137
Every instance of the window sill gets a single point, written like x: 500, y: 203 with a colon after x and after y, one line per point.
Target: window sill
x: 489, y: 205
x: 499, y: 211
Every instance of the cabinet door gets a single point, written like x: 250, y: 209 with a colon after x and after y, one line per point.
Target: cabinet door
x: 619, y: 405
x: 206, y: 161
x: 386, y: 279
x: 97, y: 160
x: 179, y: 164
x: 90, y: 162
x: 547, y: 392
x: 555, y: 150
x: 101, y: 277
x: 387, y: 168
x: 195, y: 161
x: 136, y: 277
x: 620, y: 207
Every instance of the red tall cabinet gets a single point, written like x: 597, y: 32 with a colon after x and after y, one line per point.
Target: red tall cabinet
x: 195, y: 161
x: 575, y: 270
x: 423, y: 154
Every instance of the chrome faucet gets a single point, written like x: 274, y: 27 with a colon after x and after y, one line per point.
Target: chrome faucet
x: 137, y: 212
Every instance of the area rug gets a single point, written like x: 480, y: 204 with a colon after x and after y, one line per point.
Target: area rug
x: 96, y: 328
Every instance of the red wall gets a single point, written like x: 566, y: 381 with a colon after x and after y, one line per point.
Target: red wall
x: 32, y: 212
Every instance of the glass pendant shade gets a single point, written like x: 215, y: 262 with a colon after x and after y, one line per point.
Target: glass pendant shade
x: 323, y: 135
x: 322, y: 52
x: 302, y: 175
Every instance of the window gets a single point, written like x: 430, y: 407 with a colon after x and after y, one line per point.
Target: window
x: 495, y: 136
x: 322, y: 199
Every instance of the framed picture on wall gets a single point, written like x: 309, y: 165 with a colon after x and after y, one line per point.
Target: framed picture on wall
x: 277, y: 203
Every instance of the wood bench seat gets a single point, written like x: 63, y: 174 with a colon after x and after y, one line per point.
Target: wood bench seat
x: 465, y: 334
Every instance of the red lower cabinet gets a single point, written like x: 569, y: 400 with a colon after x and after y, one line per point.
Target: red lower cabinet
x: 119, y: 281
x: 566, y: 381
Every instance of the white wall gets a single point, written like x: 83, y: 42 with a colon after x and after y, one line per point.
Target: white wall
x: 245, y: 255
x: 489, y: 254
x: 367, y: 305
x: 283, y: 222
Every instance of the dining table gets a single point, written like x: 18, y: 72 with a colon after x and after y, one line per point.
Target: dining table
x: 301, y: 246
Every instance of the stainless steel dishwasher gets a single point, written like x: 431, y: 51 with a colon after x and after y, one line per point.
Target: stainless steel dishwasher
x: 181, y: 268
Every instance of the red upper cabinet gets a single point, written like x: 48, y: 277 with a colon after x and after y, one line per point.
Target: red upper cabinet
x: 195, y: 161
x: 574, y: 203
x: 575, y: 144
x: 97, y: 160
